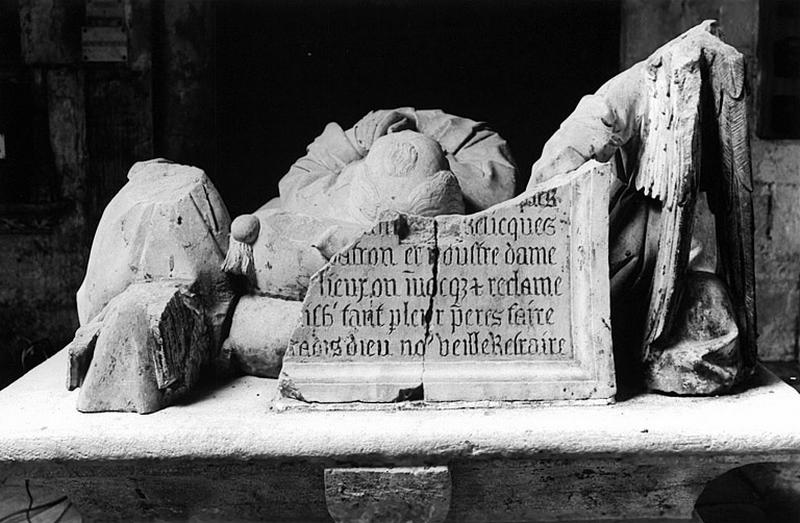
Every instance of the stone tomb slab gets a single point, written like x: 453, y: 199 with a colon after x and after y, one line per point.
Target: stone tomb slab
x: 523, y: 308
x: 508, y: 304
x: 364, y: 319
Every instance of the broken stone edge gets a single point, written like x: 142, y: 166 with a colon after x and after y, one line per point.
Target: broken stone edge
x: 589, y: 376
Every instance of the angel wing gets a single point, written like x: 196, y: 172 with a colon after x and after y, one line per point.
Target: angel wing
x: 696, y: 137
x: 727, y: 178
x: 680, y: 120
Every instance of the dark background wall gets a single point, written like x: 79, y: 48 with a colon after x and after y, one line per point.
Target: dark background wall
x: 286, y: 68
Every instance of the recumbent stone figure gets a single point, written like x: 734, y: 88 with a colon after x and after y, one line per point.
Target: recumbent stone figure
x: 673, y: 126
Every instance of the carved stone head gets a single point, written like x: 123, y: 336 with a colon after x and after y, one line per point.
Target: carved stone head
x: 404, y: 172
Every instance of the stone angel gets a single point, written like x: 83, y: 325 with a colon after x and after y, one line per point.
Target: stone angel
x: 422, y: 162
x: 676, y: 126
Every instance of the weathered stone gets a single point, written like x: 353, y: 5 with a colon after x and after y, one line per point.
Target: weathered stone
x: 679, y: 122
x: 81, y: 351
x: 362, y: 333
x: 390, y: 495
x: 646, y: 457
x: 522, y: 304
x: 169, y: 223
x: 507, y: 304
x: 424, y: 163
x: 154, y: 300
x: 701, y: 355
x: 405, y: 171
x: 290, y: 248
x: 151, y: 346
x: 260, y: 331
x: 317, y: 184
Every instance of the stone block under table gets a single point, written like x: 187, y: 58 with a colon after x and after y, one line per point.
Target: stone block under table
x: 225, y: 454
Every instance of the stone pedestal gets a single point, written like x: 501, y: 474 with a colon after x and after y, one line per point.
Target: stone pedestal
x: 224, y: 454
x: 388, y: 494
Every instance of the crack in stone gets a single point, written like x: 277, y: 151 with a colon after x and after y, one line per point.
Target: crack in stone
x: 434, y: 259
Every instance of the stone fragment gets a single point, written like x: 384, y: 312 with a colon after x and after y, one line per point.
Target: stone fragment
x: 701, y: 355
x: 396, y: 494
x: 149, y: 351
x: 363, y: 323
x: 318, y: 183
x: 260, y: 331
x: 291, y: 247
x: 522, y: 304
x: 167, y: 223
x: 81, y: 351
x: 424, y: 163
x: 680, y: 121
x: 508, y: 304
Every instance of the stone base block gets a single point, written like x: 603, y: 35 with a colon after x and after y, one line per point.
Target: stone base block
x: 142, y: 352
x: 226, y: 456
x: 391, y: 495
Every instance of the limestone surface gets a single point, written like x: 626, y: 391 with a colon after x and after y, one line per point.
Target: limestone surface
x: 647, y: 456
x: 291, y: 248
x: 154, y: 301
x: 148, y: 350
x: 388, y: 494
x: 702, y: 355
x: 260, y: 331
x: 363, y: 323
x: 677, y: 125
x: 167, y: 223
x: 425, y: 163
x: 507, y: 304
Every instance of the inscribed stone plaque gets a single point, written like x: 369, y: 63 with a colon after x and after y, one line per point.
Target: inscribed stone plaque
x: 362, y: 330
x: 523, y: 312
x: 511, y: 303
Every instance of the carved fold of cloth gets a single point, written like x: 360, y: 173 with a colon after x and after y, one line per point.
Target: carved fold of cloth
x: 480, y: 159
x: 676, y: 124
x: 154, y: 302
x: 449, y: 164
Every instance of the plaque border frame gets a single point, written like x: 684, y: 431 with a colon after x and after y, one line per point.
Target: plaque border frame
x: 590, y: 373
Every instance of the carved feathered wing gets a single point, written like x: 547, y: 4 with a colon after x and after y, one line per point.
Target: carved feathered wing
x: 680, y: 119
x: 695, y: 136
x: 728, y: 180
x: 668, y: 164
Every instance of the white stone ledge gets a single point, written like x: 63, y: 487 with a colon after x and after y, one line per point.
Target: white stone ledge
x: 41, y: 429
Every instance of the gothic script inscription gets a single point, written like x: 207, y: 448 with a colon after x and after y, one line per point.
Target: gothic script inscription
x: 503, y: 283
x: 507, y: 304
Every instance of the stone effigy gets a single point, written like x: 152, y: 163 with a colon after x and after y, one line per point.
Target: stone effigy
x: 423, y: 163
x: 154, y: 300
x: 396, y: 263
x: 676, y: 124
